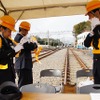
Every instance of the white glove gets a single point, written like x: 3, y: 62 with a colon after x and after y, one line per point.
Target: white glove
x: 18, y: 47
x: 24, y: 40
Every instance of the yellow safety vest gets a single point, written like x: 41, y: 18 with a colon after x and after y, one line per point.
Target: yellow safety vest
x: 0, y: 42
x: 3, y: 66
x: 96, y: 51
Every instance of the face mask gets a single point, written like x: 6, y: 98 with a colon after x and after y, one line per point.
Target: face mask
x: 94, y: 21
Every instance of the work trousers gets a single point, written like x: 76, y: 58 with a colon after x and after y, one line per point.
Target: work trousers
x: 7, y: 75
x: 96, y: 70
x: 25, y: 77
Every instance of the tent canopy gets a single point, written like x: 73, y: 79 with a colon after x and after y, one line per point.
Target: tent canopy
x: 29, y: 9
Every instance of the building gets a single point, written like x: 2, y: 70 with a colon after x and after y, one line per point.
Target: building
x: 80, y: 40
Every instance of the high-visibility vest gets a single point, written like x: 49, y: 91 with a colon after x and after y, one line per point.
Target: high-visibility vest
x: 3, y: 66
x: 96, y: 51
x: 0, y: 42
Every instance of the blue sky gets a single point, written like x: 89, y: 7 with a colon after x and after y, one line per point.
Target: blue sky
x: 55, y: 27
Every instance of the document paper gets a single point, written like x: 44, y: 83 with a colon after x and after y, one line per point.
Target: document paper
x: 95, y: 96
x: 18, y: 47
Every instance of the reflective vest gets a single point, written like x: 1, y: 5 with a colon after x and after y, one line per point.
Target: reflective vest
x: 96, y: 51
x: 0, y: 42
x: 2, y: 66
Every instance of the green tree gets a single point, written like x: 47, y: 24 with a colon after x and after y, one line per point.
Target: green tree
x: 82, y: 27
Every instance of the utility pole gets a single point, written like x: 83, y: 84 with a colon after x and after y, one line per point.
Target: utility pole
x: 48, y: 38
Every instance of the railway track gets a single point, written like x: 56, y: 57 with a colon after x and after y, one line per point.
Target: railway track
x: 73, y: 62
x: 72, y: 56
x: 44, y: 54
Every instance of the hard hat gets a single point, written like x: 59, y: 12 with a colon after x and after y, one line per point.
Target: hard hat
x: 25, y: 25
x: 94, y: 4
x: 8, y: 21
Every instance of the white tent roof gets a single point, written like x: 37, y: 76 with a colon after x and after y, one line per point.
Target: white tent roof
x: 28, y: 9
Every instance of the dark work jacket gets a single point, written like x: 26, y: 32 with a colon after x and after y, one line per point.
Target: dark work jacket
x: 94, y: 42
x: 5, y: 49
x: 24, y: 61
x: 4, y: 52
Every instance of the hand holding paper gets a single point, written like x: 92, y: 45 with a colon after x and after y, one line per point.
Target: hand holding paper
x: 24, y: 40
x: 18, y: 47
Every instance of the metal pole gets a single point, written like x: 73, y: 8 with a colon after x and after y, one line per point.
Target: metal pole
x: 48, y: 37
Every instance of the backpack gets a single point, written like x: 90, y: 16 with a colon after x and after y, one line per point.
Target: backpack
x: 9, y: 91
